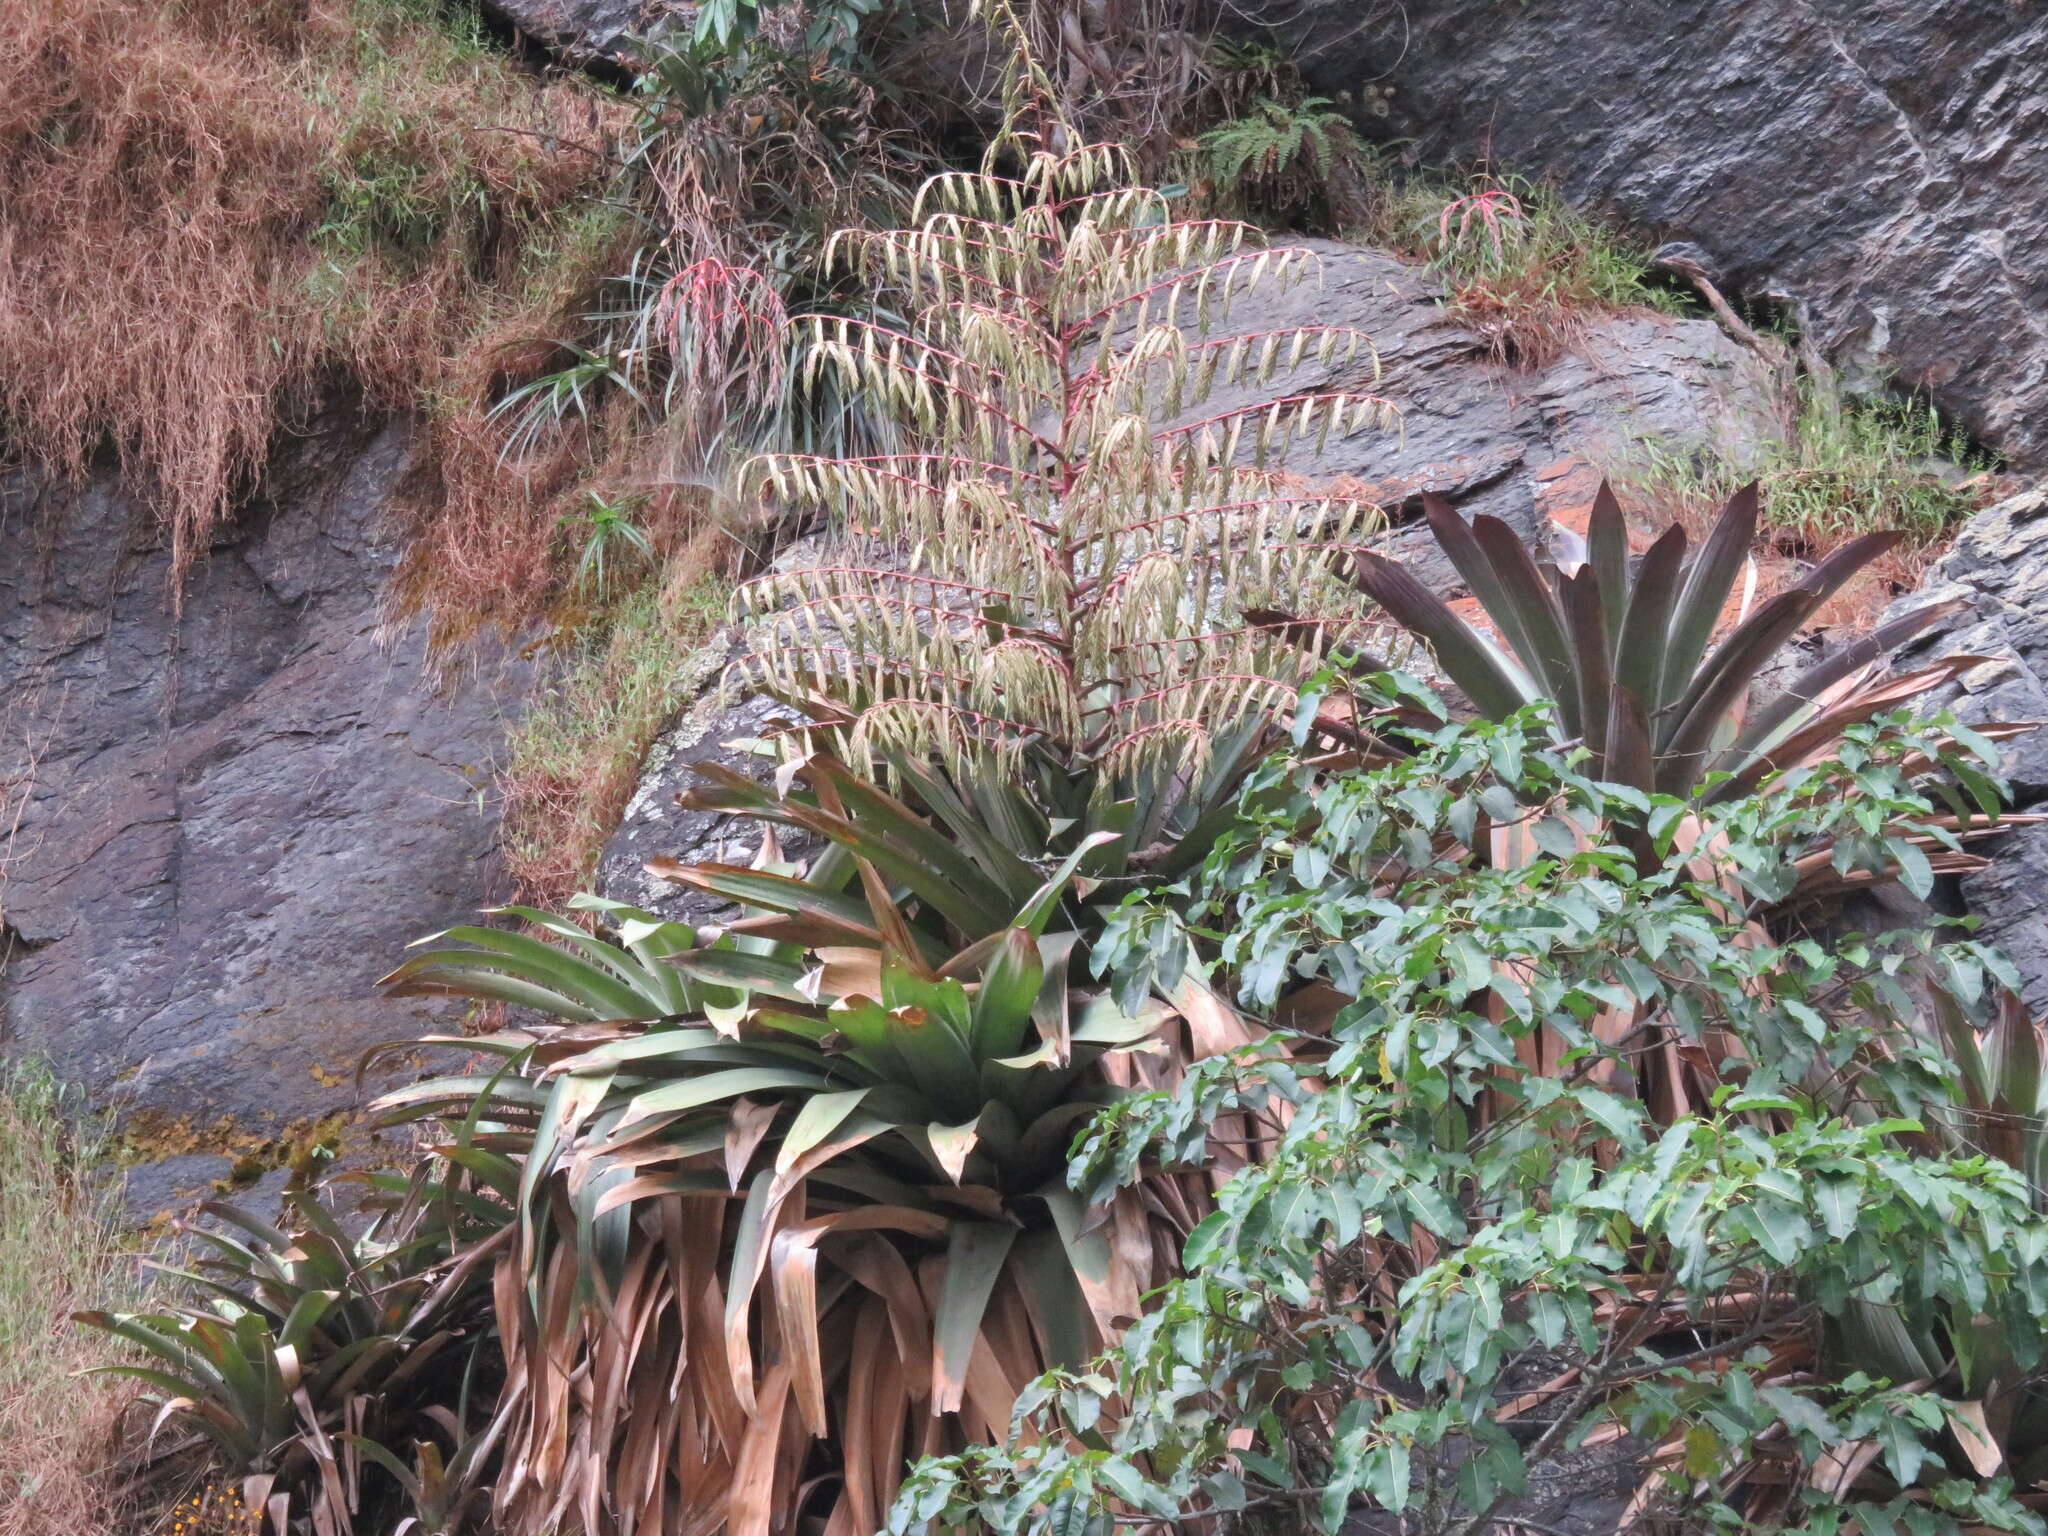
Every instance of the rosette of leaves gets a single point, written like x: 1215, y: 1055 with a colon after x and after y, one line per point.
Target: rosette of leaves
x: 342, y: 1377
x: 1054, y: 616
x: 1652, y: 661
x: 793, y: 1200
x: 1652, y: 664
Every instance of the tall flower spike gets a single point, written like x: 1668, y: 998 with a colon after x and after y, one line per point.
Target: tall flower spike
x: 1061, y: 566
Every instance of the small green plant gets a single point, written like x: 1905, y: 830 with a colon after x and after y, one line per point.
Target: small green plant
x: 606, y: 536
x: 335, y: 1372
x: 1294, y: 160
x: 1653, y: 662
x: 1522, y: 267
x: 1843, y: 467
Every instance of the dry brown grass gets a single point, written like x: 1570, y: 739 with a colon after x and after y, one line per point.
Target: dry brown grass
x: 210, y: 211
x: 61, y: 1250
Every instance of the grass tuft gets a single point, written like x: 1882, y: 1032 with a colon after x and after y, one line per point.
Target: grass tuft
x: 575, y: 757
x: 1842, y: 467
x: 1839, y: 467
x: 1522, y: 268
x: 62, y: 1248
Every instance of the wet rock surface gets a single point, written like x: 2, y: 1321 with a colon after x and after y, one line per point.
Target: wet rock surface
x: 222, y: 825
x: 602, y: 31
x: 1875, y: 165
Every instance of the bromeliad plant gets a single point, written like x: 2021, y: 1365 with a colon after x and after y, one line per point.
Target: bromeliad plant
x: 1652, y: 663
x: 343, y: 1378
x: 1052, y: 618
x: 793, y: 1205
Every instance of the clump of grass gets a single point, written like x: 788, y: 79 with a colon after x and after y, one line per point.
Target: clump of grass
x: 211, y: 211
x: 1841, y: 467
x: 1522, y: 268
x: 1838, y: 467
x: 575, y: 757
x: 62, y: 1249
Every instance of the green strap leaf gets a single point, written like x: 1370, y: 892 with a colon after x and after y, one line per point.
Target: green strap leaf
x: 975, y: 1254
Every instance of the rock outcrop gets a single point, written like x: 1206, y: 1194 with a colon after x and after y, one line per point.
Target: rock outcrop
x: 1528, y: 447
x: 1999, y: 565
x: 222, y: 825
x: 585, y: 31
x: 1877, y: 165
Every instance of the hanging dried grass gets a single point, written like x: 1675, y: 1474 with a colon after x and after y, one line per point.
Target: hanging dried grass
x: 211, y: 212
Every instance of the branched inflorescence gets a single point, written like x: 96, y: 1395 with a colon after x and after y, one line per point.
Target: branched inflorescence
x: 1073, y: 562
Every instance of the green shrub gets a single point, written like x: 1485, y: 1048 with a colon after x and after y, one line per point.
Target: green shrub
x: 1456, y: 1266
x: 1294, y: 161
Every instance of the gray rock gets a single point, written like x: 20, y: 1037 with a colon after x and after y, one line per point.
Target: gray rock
x: 1999, y: 566
x: 170, y: 1187
x: 2006, y: 899
x: 605, y: 30
x: 1876, y: 163
x: 655, y: 826
x: 1519, y: 445
x: 224, y: 824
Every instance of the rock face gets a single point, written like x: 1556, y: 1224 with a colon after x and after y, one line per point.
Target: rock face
x: 2000, y: 565
x: 654, y: 826
x: 220, y: 828
x: 1876, y: 163
x: 1524, y: 446
x: 595, y: 30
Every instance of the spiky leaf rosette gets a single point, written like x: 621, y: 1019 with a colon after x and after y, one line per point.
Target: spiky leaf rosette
x: 793, y: 1198
x: 1073, y: 565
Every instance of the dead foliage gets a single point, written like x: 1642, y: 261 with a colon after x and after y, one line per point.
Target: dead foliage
x: 211, y: 212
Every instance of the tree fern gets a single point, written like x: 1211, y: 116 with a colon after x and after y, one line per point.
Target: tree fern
x: 1066, y: 579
